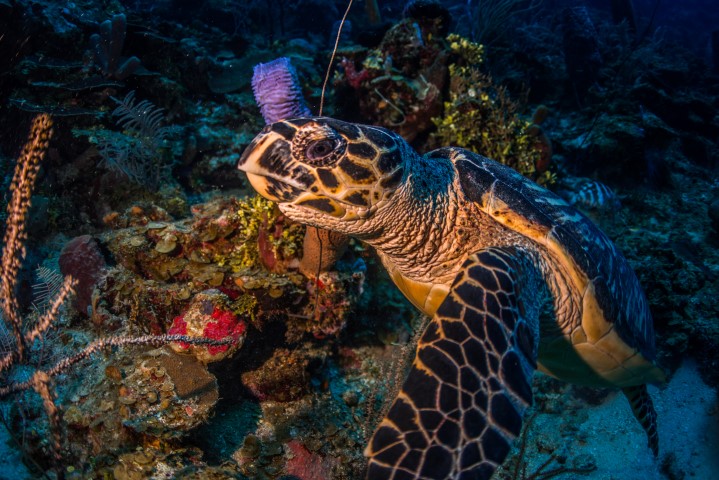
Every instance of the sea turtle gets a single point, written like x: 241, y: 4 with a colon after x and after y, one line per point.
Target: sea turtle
x: 515, y: 279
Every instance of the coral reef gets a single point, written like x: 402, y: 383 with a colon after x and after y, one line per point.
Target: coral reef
x: 29, y: 331
x: 401, y: 86
x: 398, y: 84
x: 480, y: 116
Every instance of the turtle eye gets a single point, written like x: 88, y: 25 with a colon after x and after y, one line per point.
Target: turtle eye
x: 318, y: 146
x: 319, y: 149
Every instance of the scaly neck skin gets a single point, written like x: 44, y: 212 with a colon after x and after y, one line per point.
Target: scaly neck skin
x: 419, y: 231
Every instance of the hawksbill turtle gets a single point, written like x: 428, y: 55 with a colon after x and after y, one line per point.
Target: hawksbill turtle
x: 487, y: 254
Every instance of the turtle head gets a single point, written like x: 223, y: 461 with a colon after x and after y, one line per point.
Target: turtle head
x: 325, y: 172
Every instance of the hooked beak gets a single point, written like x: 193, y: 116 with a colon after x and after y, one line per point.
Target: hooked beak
x: 267, y: 162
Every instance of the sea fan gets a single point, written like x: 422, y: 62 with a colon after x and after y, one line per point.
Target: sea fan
x: 277, y: 91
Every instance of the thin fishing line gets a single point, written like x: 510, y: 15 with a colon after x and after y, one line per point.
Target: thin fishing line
x: 332, y: 58
x: 322, y: 104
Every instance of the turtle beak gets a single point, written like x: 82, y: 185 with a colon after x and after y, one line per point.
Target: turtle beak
x: 266, y: 161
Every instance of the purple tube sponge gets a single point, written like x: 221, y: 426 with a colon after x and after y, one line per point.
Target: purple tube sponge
x: 277, y: 91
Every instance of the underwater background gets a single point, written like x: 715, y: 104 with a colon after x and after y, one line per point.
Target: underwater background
x: 135, y: 195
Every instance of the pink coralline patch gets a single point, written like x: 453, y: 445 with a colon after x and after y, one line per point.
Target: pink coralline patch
x: 354, y: 78
x: 226, y: 324
x: 208, y: 316
x: 306, y: 465
x: 179, y: 327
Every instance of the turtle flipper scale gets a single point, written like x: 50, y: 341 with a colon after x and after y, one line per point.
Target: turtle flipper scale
x: 643, y: 410
x: 462, y: 403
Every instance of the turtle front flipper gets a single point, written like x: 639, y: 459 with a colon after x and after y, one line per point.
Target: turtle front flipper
x: 462, y: 403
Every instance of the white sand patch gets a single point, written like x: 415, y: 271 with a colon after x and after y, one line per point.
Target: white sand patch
x: 608, y: 435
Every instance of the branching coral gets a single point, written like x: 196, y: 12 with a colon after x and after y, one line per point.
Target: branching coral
x: 481, y: 117
x: 13, y: 253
